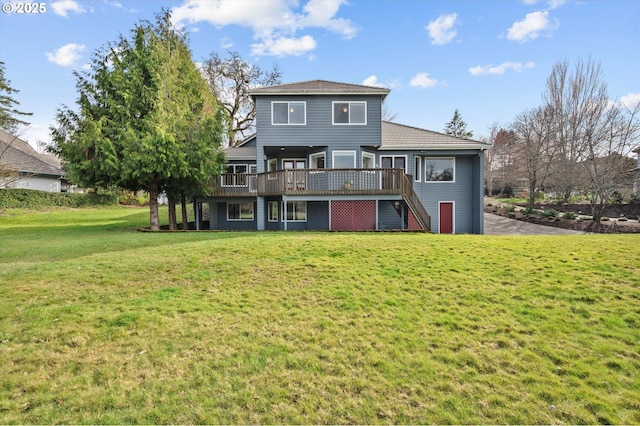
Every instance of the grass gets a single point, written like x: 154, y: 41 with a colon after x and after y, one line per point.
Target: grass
x: 102, y: 324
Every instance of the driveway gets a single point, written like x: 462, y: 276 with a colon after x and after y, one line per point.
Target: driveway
x: 498, y: 225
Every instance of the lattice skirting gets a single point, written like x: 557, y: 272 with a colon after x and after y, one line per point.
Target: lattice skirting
x: 353, y: 215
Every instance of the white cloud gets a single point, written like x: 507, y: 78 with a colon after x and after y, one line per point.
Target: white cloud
x: 275, y: 23
x: 442, y: 30
x: 531, y: 26
x: 284, y: 46
x: 67, y: 54
x: 372, y: 81
x: 500, y: 69
x: 630, y: 100
x: 423, y: 81
x: 63, y: 7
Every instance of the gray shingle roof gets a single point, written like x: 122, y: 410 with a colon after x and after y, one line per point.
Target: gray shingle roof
x: 241, y: 153
x: 402, y: 137
x: 320, y: 87
x: 16, y: 154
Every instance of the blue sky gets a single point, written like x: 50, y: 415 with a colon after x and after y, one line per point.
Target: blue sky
x: 488, y: 59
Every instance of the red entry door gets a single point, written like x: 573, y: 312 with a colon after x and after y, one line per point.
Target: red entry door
x: 446, y: 217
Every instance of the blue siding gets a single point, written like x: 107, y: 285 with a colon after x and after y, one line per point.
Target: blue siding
x: 319, y: 130
x: 234, y: 225
x: 459, y: 192
x: 388, y: 217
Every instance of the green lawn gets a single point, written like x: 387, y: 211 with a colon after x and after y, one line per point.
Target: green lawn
x: 103, y: 324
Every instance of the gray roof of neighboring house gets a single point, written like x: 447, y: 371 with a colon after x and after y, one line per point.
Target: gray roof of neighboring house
x: 241, y: 153
x: 320, y: 87
x: 18, y: 155
x: 401, y: 137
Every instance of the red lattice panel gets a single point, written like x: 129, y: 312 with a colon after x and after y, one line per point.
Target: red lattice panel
x: 353, y: 215
x: 414, y: 225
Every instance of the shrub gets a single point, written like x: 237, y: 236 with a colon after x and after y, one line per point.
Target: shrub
x: 549, y: 213
x: 569, y: 215
x: 33, y: 199
x: 530, y: 211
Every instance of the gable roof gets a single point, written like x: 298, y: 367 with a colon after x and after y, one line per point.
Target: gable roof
x: 320, y: 87
x: 403, y: 137
x: 18, y: 155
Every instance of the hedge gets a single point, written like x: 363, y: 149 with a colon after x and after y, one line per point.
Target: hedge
x: 34, y: 199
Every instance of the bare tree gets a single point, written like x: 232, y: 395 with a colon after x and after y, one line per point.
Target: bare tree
x: 534, y: 130
x: 608, y: 165
x: 575, y: 101
x: 503, y: 159
x: 387, y: 114
x: 593, y: 136
x: 490, y: 159
x: 231, y: 79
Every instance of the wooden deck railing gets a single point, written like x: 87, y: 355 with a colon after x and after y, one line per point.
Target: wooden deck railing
x: 415, y: 204
x: 324, y: 182
x: 312, y: 182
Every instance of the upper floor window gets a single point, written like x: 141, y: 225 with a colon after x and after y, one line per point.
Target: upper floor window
x: 349, y: 113
x: 288, y: 113
x: 439, y: 169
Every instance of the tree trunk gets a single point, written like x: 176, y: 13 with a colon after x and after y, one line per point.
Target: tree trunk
x: 153, y: 207
x: 173, y: 224
x: 185, y: 220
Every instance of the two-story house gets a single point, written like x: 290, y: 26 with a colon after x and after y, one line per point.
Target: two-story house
x: 322, y: 158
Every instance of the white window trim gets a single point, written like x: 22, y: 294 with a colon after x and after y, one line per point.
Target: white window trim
x: 269, y: 204
x: 288, y: 113
x: 284, y: 211
x: 406, y: 164
x: 417, y: 173
x: 271, y: 174
x: 424, y: 167
x: 333, y: 158
x: 322, y: 154
x: 253, y: 213
x: 333, y: 110
x: 370, y: 155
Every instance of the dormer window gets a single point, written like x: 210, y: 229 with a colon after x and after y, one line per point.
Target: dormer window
x: 293, y: 113
x: 349, y: 113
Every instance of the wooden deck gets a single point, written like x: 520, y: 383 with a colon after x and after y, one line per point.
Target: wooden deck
x: 326, y: 182
x: 312, y: 182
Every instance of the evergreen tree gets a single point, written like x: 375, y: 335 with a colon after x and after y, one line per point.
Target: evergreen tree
x: 9, y: 120
x: 146, y: 118
x: 457, y: 127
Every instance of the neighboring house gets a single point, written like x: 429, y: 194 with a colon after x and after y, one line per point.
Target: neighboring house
x: 322, y: 158
x: 21, y: 166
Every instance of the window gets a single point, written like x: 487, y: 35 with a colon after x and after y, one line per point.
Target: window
x: 417, y: 173
x: 368, y: 160
x: 273, y: 211
x: 394, y: 162
x: 344, y: 159
x: 236, y: 175
x: 239, y: 211
x: 317, y: 160
x: 288, y: 113
x: 296, y: 211
x: 439, y: 169
x: 349, y: 113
